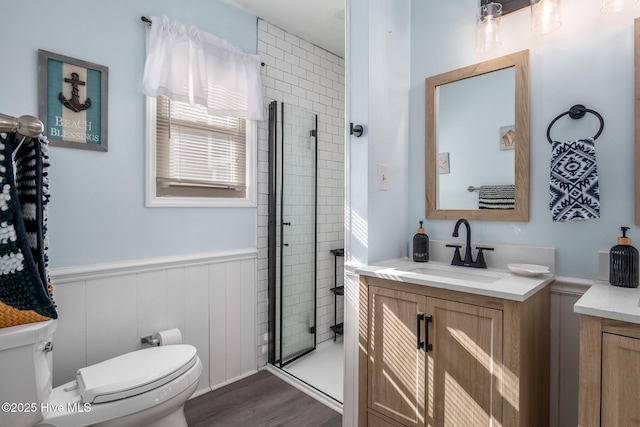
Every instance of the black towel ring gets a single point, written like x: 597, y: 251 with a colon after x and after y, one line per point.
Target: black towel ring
x: 577, y: 112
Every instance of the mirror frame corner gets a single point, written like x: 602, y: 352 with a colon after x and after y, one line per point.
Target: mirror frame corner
x: 519, y: 60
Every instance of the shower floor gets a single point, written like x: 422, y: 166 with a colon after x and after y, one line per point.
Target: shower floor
x: 323, y: 368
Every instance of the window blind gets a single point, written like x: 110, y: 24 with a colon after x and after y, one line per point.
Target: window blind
x: 198, y: 154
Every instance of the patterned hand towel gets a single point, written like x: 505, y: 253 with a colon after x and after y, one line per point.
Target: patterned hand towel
x: 574, y: 181
x: 496, y: 197
x: 24, y: 195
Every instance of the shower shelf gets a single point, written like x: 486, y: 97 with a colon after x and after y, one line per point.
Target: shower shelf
x: 337, y: 328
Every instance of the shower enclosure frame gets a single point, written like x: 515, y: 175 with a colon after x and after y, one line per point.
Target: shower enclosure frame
x: 275, y: 223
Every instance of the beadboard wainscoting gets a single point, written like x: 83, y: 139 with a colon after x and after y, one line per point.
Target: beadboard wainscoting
x: 565, y: 350
x: 105, y: 309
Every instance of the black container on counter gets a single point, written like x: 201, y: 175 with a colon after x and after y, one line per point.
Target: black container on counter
x: 421, y: 246
x: 623, y: 262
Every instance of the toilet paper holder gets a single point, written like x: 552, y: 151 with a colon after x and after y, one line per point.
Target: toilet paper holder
x: 149, y: 339
x: 168, y: 337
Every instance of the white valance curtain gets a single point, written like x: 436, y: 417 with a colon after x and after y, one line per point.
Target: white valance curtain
x: 192, y: 66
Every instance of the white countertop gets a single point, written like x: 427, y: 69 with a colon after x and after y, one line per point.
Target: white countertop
x: 493, y: 282
x: 610, y: 302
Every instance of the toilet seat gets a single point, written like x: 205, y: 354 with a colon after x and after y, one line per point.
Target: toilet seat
x: 134, y: 373
x: 73, y: 414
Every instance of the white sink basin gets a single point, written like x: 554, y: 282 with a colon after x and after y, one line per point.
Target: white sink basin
x: 461, y: 273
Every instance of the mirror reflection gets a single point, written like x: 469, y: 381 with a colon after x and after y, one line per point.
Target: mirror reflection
x: 477, y: 141
x: 475, y: 137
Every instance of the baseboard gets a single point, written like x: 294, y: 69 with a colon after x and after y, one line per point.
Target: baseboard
x: 233, y: 380
x: 206, y: 390
x: 200, y: 392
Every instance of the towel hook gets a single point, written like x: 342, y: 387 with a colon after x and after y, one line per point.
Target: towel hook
x: 578, y: 111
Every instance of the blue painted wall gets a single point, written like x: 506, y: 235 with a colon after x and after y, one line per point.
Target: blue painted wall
x: 378, y: 93
x: 588, y: 61
x: 97, y: 211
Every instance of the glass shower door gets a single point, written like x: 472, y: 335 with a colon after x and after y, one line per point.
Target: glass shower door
x: 298, y: 231
x: 293, y: 233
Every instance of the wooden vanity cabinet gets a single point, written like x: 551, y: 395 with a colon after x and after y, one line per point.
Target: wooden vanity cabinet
x: 609, y: 373
x: 433, y: 357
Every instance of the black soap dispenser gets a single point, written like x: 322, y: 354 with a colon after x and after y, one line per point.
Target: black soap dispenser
x: 420, y: 246
x: 623, y: 262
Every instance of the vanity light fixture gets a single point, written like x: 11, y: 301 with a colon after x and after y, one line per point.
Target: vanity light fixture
x: 545, y: 16
x: 488, y: 27
x: 612, y: 6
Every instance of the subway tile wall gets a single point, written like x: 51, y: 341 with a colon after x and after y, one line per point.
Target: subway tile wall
x: 298, y: 73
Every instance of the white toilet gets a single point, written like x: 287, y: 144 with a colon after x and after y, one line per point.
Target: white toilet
x: 143, y: 388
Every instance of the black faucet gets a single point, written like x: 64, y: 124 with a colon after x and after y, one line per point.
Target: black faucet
x: 468, y: 258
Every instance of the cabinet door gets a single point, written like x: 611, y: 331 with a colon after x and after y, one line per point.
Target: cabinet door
x: 620, y: 381
x: 466, y: 381
x: 396, y: 367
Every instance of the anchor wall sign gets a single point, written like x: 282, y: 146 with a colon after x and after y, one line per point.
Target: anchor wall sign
x: 73, y: 101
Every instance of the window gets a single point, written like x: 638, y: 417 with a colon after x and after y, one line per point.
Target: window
x: 193, y: 157
x: 196, y: 159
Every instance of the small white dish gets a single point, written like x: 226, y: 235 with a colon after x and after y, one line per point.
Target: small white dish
x: 530, y: 270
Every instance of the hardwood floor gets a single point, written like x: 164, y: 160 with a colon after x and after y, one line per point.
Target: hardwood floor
x: 259, y: 400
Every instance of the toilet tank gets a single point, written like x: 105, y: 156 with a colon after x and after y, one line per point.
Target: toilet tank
x: 25, y: 371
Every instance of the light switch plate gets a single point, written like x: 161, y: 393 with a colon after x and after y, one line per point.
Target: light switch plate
x: 383, y: 177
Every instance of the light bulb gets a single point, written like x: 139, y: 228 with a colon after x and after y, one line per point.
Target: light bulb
x: 612, y: 6
x: 488, y: 27
x: 545, y: 16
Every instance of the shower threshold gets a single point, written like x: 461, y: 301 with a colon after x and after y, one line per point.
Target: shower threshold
x: 322, y: 369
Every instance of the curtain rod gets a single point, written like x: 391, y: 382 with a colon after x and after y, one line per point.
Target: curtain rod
x: 150, y: 22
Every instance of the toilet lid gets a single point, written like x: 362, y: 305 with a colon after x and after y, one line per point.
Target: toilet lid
x: 134, y: 373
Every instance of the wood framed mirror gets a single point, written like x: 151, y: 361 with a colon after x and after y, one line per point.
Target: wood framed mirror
x: 477, y: 141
